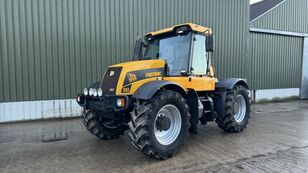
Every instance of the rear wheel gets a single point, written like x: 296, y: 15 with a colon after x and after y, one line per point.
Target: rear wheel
x: 237, y: 110
x: 101, y: 127
x: 159, y: 126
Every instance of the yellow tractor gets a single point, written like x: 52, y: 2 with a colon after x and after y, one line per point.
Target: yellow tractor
x: 164, y: 93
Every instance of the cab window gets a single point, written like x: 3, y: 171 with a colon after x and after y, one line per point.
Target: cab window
x: 199, y: 59
x: 173, y: 49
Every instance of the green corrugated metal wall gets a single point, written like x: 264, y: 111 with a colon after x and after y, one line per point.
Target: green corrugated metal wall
x: 51, y: 49
x: 289, y: 16
x: 276, y: 59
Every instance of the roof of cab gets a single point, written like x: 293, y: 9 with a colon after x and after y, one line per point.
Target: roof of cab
x: 194, y: 27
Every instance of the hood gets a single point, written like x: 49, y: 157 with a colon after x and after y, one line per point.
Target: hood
x: 125, y: 78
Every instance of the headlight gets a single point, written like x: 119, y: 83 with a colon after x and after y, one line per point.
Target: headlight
x: 85, y: 91
x: 121, y: 102
x: 78, y: 99
x: 99, y: 92
x: 94, y: 92
x: 91, y: 92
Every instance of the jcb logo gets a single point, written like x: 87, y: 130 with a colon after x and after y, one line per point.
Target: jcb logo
x: 132, y: 77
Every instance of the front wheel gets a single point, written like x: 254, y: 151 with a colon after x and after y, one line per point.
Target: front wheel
x: 159, y: 126
x: 103, y: 128
x: 237, y: 110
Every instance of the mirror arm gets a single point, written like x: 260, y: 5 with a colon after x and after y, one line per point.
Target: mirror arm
x: 208, y: 62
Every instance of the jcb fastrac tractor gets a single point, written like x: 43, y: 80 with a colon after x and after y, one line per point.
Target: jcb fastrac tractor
x: 164, y: 93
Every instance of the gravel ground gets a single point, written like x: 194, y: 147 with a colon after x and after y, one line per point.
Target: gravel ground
x: 276, y: 140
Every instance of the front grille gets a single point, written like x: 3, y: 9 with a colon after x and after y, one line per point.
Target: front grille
x: 110, y: 80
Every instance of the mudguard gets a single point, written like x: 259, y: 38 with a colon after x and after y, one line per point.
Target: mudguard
x: 221, y: 92
x: 147, y: 90
x: 231, y: 82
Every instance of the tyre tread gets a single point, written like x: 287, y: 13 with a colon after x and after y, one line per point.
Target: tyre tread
x: 227, y: 121
x: 138, y: 128
x: 95, y: 127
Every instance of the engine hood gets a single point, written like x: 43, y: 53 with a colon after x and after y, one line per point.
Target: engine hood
x: 125, y: 78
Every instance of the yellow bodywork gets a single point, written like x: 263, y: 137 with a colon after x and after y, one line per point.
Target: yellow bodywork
x: 197, y: 83
x: 197, y: 28
x: 129, y: 67
x: 136, y: 73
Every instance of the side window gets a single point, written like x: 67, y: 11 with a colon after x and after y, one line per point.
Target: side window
x: 199, y: 59
x: 152, y: 50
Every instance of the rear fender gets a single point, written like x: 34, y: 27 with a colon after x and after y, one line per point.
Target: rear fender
x: 221, y: 92
x: 231, y: 82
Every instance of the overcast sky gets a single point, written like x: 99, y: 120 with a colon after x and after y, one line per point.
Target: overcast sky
x: 254, y: 1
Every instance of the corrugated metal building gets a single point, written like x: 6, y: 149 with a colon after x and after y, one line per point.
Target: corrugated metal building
x: 277, y: 42
x: 51, y: 49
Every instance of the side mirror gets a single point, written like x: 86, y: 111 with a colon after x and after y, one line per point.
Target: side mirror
x: 210, y: 43
x: 138, y: 48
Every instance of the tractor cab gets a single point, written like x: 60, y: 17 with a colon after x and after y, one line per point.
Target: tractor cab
x: 186, y: 49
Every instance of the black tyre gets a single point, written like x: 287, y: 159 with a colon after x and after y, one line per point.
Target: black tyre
x: 237, y: 110
x: 102, y: 128
x: 159, y: 126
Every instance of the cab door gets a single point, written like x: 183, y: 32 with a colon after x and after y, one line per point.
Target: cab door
x: 201, y: 66
x: 201, y: 76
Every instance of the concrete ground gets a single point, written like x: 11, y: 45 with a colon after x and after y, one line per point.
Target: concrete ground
x: 276, y: 140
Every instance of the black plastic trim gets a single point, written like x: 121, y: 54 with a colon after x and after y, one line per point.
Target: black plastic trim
x: 147, y: 90
x: 231, y: 82
x: 103, y: 103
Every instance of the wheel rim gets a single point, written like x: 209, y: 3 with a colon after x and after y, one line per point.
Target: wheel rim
x: 239, y: 108
x: 168, y: 136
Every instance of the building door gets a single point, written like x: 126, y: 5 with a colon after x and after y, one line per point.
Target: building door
x: 304, y: 87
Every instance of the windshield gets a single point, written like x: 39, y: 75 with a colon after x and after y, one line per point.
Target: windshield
x: 175, y: 50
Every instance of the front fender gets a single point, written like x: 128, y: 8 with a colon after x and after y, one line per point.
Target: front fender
x: 147, y: 90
